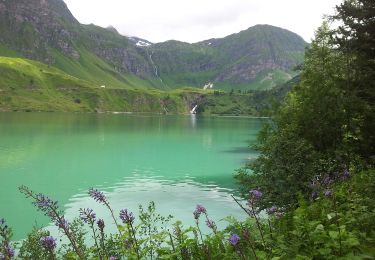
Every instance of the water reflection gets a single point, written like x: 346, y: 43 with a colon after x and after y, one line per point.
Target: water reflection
x: 177, y: 198
x: 193, y: 120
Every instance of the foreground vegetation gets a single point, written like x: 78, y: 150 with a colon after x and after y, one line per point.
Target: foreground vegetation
x: 336, y: 223
x: 315, y: 176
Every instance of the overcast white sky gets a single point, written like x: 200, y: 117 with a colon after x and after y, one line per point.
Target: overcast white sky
x: 196, y: 20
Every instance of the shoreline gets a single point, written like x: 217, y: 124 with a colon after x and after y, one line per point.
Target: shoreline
x: 140, y: 113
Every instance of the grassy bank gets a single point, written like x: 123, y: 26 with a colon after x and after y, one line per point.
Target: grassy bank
x: 27, y: 85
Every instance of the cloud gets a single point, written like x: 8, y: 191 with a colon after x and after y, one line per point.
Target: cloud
x: 196, y: 20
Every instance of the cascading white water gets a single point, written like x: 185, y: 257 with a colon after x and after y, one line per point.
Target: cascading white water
x: 193, y: 111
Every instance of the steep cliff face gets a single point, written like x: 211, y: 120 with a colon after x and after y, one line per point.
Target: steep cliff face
x: 45, y: 30
x: 33, y: 26
x: 119, y: 51
x: 37, y: 27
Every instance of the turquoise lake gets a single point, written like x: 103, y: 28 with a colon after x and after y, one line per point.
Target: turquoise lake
x: 175, y: 161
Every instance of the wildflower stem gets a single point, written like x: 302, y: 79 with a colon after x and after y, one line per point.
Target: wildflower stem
x: 270, y: 227
x: 253, y: 250
x: 135, y: 240
x: 172, y: 244
x: 51, y: 210
x: 242, y: 207
x: 241, y: 253
x: 337, y: 222
x: 95, y: 240
x: 199, y: 230
x: 251, y: 214
x: 114, y: 219
x: 257, y: 222
x: 214, y: 229
x: 102, y: 244
x: 246, y: 234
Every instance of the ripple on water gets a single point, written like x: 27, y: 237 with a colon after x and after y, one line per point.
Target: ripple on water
x: 176, y: 198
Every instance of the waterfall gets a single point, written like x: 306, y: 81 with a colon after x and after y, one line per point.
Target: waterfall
x: 193, y: 111
x: 155, y: 68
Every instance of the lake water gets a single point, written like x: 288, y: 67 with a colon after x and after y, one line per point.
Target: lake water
x: 176, y: 161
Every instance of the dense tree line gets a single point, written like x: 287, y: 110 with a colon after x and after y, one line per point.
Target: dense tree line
x: 327, y: 123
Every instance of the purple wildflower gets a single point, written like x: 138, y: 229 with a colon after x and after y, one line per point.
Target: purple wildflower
x: 46, y: 205
x: 128, y: 243
x: 112, y: 258
x: 314, y: 195
x: 87, y: 215
x: 49, y: 207
x: 48, y: 242
x: 327, y: 180
x: 345, y: 174
x: 42, y: 201
x: 126, y: 216
x: 98, y: 196
x: 255, y: 194
x: 211, y: 224
x: 328, y: 193
x: 9, y: 251
x: 62, y: 223
x: 198, y: 211
x: 100, y: 224
x: 272, y: 210
x: 234, y: 239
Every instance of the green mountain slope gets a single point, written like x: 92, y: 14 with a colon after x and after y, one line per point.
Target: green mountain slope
x: 258, y: 58
x: 33, y: 86
x: 27, y: 85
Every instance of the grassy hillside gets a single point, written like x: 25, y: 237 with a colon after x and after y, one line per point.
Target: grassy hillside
x: 27, y: 85
x: 30, y: 85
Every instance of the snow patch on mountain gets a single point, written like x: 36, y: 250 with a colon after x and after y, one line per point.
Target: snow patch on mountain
x: 139, y: 42
x: 143, y: 44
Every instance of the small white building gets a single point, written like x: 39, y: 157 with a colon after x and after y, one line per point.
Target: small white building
x: 209, y: 85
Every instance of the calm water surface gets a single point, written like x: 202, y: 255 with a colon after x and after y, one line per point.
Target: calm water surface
x: 176, y: 161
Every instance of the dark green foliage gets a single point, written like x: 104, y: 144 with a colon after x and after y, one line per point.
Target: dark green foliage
x: 268, y: 101
x: 323, y: 131
x: 341, y: 225
x: 356, y: 40
x: 306, y: 134
x: 315, y: 133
